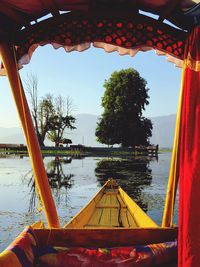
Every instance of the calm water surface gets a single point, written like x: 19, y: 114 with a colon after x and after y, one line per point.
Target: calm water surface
x: 74, y: 182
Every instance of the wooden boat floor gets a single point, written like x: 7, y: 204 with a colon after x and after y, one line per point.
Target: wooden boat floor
x: 111, y: 207
x: 111, y: 211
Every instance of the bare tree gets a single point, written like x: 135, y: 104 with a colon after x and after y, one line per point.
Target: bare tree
x: 31, y: 85
x: 50, y: 115
x: 62, y: 119
x: 42, y: 110
x: 69, y: 106
x: 46, y: 117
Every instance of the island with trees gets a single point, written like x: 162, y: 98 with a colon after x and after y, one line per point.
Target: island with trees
x: 122, y: 126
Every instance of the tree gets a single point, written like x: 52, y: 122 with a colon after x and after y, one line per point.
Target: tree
x: 124, y: 100
x: 46, y: 118
x: 62, y: 120
x: 31, y: 84
x: 50, y: 115
x: 42, y: 110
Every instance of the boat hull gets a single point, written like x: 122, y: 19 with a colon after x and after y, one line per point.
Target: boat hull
x: 122, y: 233
x: 92, y: 247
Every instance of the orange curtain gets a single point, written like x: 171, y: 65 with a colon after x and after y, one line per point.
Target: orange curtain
x: 189, y: 196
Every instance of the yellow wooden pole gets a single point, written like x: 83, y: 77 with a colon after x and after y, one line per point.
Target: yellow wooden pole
x: 39, y: 171
x: 168, y: 213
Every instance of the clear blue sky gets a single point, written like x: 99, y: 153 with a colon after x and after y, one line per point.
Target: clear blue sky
x: 81, y: 76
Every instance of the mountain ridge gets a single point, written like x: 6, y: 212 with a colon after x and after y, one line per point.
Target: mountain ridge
x: 162, y: 134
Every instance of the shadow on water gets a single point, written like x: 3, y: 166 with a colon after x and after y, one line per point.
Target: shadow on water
x: 57, y: 179
x: 131, y: 174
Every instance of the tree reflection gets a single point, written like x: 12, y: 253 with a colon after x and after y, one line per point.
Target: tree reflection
x: 133, y: 175
x: 58, y: 179
x: 56, y: 175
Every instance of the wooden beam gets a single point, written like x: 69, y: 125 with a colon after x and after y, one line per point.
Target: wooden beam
x: 105, y: 237
x: 51, y: 7
x: 173, y: 179
x: 168, y: 9
x: 39, y: 171
x: 13, y: 15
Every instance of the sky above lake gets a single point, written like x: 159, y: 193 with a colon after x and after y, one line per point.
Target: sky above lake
x: 81, y: 76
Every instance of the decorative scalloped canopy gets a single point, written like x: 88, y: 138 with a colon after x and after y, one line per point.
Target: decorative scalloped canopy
x: 115, y: 25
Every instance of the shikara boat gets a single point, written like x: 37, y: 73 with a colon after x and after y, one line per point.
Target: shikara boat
x: 111, y: 230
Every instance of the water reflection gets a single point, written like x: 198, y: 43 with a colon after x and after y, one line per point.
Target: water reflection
x: 56, y: 175
x: 57, y: 179
x: 143, y: 178
x: 132, y: 174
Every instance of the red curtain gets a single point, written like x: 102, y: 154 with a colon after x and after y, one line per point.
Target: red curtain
x: 189, y: 200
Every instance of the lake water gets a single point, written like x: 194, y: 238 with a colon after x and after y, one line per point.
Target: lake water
x: 74, y: 182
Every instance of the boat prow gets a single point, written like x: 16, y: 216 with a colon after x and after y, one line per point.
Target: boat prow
x: 111, y: 208
x: 111, y: 227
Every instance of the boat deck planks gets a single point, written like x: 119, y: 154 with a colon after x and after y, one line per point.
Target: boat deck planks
x: 124, y: 218
x: 111, y: 208
x: 111, y: 211
x: 95, y: 219
x: 114, y: 217
x: 105, y: 218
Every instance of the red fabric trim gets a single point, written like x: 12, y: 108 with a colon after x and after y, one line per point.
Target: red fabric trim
x: 189, y: 212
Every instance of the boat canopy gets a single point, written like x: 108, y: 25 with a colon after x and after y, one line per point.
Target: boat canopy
x: 170, y: 27
x: 126, y: 26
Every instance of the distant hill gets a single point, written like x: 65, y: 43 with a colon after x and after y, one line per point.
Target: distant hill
x: 163, y: 131
x: 85, y: 132
x: 12, y: 135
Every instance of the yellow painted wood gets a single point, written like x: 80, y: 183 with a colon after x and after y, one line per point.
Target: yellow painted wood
x: 107, y: 201
x: 95, y: 218
x: 124, y: 219
x: 174, y: 169
x: 38, y: 225
x: 40, y: 176
x: 121, y: 202
x: 107, y: 206
x: 140, y: 217
x: 111, y: 191
x: 111, y: 209
x: 131, y: 220
x: 92, y: 227
x: 114, y: 217
x: 113, y: 200
x: 102, y: 201
x: 9, y: 259
x: 81, y: 219
x: 105, y: 217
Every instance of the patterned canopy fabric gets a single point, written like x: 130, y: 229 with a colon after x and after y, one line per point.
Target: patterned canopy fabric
x: 127, y: 35
x: 115, y: 25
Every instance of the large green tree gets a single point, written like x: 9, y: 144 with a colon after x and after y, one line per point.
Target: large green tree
x: 124, y: 100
